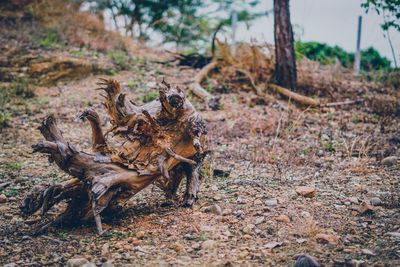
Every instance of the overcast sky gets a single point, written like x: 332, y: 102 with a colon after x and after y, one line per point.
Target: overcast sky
x: 329, y: 21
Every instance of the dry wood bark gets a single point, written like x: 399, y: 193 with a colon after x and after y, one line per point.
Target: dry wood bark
x: 160, y: 142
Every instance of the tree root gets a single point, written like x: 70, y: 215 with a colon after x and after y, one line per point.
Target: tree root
x: 164, y: 141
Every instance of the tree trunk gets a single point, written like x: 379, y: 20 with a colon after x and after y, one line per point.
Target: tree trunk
x: 285, y: 67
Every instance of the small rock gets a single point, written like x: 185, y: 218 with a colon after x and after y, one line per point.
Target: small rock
x: 365, y: 208
x: 282, y: 218
x: 273, y: 244
x: 327, y: 239
x: 375, y: 201
x: 239, y: 213
x: 140, y: 234
x: 248, y: 229
x: 126, y: 256
x: 227, y: 212
x: 107, y: 264
x: 247, y: 237
x: 273, y: 202
x: 240, y: 200
x: 77, y: 262
x: 89, y: 264
x: 178, y: 247
x: 257, y: 202
x: 320, y: 153
x: 259, y: 220
x: 208, y: 244
x: 217, y: 197
x: 216, y: 209
x: 105, y: 249
x: 305, y: 260
x: 3, y: 199
x: 353, y: 200
x: 389, y: 161
x: 227, y: 233
x: 305, y: 214
x: 243, y: 254
x: 16, y: 219
x: 196, y: 246
x: 306, y: 191
x: 368, y: 252
x: 394, y: 234
x: 301, y: 240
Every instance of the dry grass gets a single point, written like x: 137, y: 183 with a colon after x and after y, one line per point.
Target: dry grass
x: 77, y: 28
x: 250, y: 66
x: 245, y: 68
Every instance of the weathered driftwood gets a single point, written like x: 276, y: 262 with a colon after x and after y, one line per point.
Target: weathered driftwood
x: 160, y: 142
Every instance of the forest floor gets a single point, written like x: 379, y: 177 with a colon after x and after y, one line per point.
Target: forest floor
x: 248, y: 211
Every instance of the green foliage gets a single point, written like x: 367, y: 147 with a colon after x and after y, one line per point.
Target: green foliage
x: 50, y: 40
x: 329, y: 146
x: 389, y: 9
x: 150, y: 96
x: 62, y: 235
x: 370, y: 58
x: 120, y: 58
x: 186, y: 23
x: 12, y: 192
x: 14, y: 166
x: 323, y: 53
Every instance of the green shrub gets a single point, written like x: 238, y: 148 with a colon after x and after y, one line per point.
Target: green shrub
x: 120, y: 58
x: 50, y: 40
x: 371, y: 60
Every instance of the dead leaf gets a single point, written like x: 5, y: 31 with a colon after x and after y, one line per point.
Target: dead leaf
x: 327, y: 239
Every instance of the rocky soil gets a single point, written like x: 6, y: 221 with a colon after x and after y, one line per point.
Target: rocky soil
x: 280, y: 181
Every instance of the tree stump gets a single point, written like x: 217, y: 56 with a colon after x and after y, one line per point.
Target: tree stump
x: 160, y: 142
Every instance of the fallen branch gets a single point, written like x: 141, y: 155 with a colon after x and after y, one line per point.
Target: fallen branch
x: 247, y: 74
x: 341, y: 103
x: 196, y: 87
x: 303, y: 100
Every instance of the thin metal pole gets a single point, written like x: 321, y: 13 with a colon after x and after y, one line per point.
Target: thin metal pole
x: 357, y: 58
x: 234, y: 26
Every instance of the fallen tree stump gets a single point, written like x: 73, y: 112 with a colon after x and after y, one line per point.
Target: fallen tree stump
x: 160, y: 142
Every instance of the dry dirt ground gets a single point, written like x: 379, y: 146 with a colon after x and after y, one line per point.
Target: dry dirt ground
x: 248, y: 212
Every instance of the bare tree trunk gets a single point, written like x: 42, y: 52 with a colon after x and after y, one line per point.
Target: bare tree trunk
x: 285, y: 67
